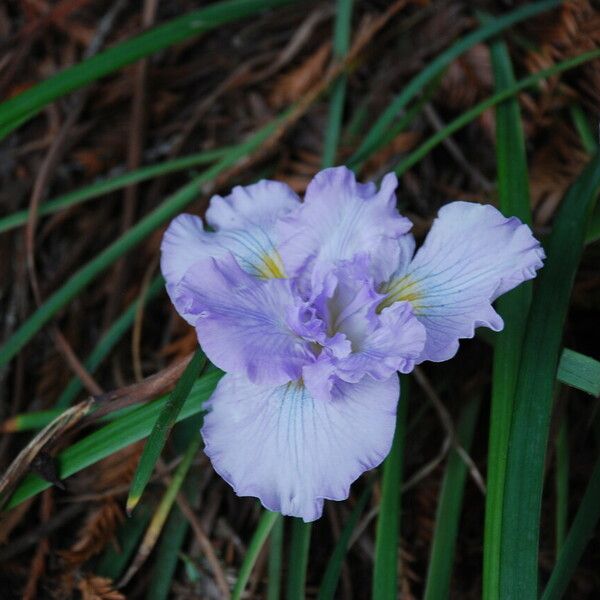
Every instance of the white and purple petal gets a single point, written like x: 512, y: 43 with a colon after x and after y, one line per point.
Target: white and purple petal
x: 248, y: 326
x: 380, y: 343
x: 472, y: 255
x: 292, y: 451
x: 184, y: 243
x: 244, y: 226
x: 339, y: 219
x: 257, y: 205
x: 394, y: 345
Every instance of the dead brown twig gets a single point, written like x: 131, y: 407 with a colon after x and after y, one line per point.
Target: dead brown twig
x: 24, y: 460
x: 132, y: 394
x: 448, y: 425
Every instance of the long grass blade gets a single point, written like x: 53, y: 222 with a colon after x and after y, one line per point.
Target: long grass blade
x: 134, y: 426
x: 372, y: 141
x: 163, y: 510
x: 589, y: 141
x: 593, y: 229
x: 341, y: 43
x: 15, y: 111
x: 356, y: 163
x: 275, y: 561
x: 168, y: 209
x: 439, y: 136
x: 333, y: 570
x: 385, y: 571
x: 33, y: 421
x: 177, y: 525
x: 158, y: 437
x: 579, y: 371
x: 447, y: 519
x: 580, y: 533
x: 261, y: 533
x: 513, y: 196
x: 28, y: 421
x: 533, y: 397
x: 116, y: 557
x: 167, y: 553
x: 110, y: 184
x: 562, y: 483
x: 298, y: 559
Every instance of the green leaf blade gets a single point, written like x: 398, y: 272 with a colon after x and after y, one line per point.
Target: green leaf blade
x: 111, y: 438
x: 261, y: 533
x: 341, y: 43
x: 580, y: 533
x: 158, y: 437
x: 110, y: 184
x: 298, y: 559
x: 513, y: 195
x: 579, y: 371
x: 371, y: 141
x: 439, y: 571
x: 86, y: 274
x: 17, y: 110
x: 534, y: 390
x: 333, y: 570
x: 385, y: 572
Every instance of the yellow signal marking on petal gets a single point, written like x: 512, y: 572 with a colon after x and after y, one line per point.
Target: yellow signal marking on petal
x: 297, y: 384
x: 271, y: 267
x: 402, y: 289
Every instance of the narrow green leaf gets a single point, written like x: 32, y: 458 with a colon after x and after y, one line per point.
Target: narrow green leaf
x: 356, y: 163
x: 261, y: 533
x: 298, y: 559
x: 474, y: 112
x: 116, y: 557
x: 579, y: 371
x: 385, y: 573
x: 333, y: 570
x: 513, y: 196
x: 165, y: 421
x: 159, y: 518
x: 167, y: 555
x: 108, y: 341
x: 177, y: 525
x: 533, y: 397
x: 32, y: 420
x: 372, y: 141
x: 132, y: 427
x: 275, y: 561
x: 589, y: 141
x: 447, y: 519
x: 110, y: 184
x: 39, y: 419
x: 341, y: 42
x: 562, y: 483
x: 580, y: 533
x: 15, y: 111
x: 86, y: 274
x: 593, y: 229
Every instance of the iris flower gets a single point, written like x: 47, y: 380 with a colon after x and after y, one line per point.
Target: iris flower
x: 312, y: 307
